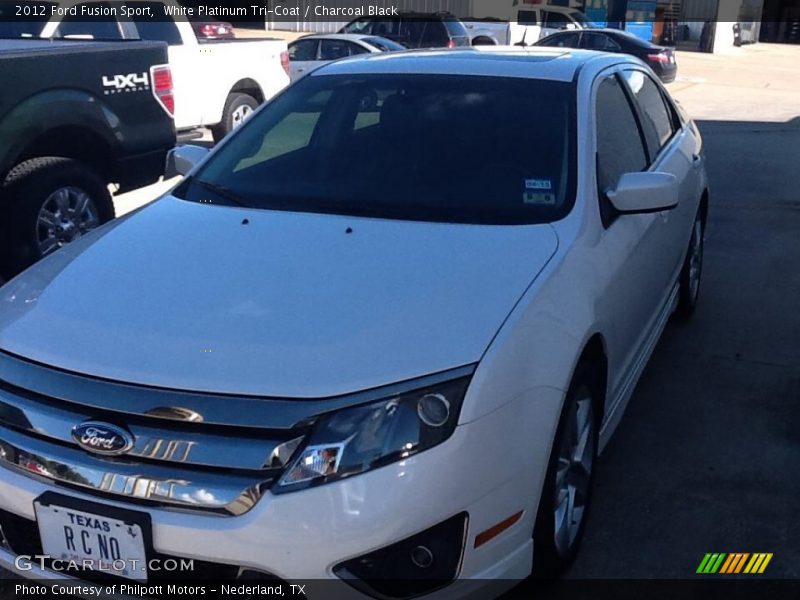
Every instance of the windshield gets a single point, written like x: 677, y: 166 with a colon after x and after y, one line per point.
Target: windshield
x: 417, y: 147
x: 23, y: 19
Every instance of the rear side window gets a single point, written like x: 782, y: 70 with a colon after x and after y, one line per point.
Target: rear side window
x: 356, y: 49
x: 456, y: 28
x: 359, y: 26
x: 411, y: 32
x: 303, y: 50
x: 154, y: 29
x: 599, y: 42
x: 656, y: 119
x: 98, y: 28
x: 333, y: 49
x: 527, y: 17
x: 435, y: 35
x: 619, y: 144
x: 566, y: 40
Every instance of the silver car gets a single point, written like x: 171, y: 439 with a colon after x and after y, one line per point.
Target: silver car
x: 312, y: 51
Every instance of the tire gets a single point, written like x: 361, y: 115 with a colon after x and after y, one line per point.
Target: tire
x: 42, y: 190
x: 237, y: 108
x: 555, y: 547
x: 483, y: 40
x: 692, y: 271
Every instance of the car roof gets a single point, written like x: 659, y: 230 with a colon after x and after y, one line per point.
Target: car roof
x: 618, y: 34
x: 353, y: 37
x: 557, y: 64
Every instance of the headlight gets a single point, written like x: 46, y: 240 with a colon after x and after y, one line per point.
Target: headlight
x: 355, y: 440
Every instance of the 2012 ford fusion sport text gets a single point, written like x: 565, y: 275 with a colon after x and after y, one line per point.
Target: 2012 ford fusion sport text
x: 397, y: 360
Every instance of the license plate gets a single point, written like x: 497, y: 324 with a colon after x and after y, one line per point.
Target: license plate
x: 92, y: 541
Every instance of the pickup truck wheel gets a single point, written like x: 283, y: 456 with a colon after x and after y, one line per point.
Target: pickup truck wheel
x: 47, y: 203
x: 237, y: 108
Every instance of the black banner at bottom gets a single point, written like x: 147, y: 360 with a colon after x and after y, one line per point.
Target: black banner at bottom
x: 569, y: 589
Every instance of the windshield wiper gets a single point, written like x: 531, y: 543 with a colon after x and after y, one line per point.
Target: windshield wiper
x: 222, y: 192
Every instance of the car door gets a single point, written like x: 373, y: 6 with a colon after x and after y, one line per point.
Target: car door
x: 303, y: 56
x: 670, y: 150
x: 629, y: 248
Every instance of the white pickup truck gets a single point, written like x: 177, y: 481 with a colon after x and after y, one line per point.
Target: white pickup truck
x: 217, y: 83
x: 527, y: 25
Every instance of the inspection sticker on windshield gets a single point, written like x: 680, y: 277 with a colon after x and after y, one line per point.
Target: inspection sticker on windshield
x: 538, y: 184
x: 539, y: 191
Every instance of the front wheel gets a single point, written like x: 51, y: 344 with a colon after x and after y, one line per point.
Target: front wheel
x: 567, y: 490
x: 692, y: 272
x: 47, y: 203
x: 238, y: 107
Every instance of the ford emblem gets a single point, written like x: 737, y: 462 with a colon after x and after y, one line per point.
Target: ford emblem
x: 102, y: 438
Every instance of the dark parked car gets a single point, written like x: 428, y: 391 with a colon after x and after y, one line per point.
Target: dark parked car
x: 660, y: 58
x: 414, y: 30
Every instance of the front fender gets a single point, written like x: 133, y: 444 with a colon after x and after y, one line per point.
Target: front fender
x: 55, y: 109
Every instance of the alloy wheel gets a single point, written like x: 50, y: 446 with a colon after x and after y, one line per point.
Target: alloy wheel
x: 576, y: 458
x: 67, y: 214
x: 696, y: 259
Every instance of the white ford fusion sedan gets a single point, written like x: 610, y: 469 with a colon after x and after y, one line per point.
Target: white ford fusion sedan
x: 377, y: 337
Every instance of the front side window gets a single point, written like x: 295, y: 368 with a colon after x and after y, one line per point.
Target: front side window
x: 656, y: 118
x: 392, y: 146
x: 619, y: 143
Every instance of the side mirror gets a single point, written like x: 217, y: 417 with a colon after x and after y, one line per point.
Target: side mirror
x: 183, y: 159
x: 644, y: 193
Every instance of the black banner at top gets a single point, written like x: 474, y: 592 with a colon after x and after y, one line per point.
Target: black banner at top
x: 529, y: 12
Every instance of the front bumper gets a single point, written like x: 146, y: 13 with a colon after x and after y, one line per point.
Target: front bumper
x: 302, y: 536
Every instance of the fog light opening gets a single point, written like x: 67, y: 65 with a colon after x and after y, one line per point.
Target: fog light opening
x: 422, y: 557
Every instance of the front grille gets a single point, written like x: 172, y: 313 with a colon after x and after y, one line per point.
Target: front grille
x: 167, y: 461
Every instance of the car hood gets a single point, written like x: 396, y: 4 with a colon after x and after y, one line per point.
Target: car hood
x: 232, y: 300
